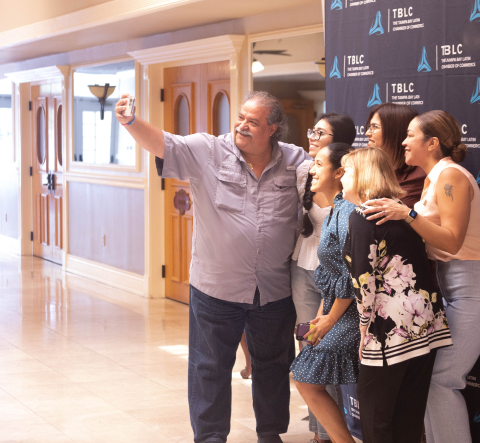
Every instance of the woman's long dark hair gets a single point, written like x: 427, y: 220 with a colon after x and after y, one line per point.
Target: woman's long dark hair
x: 394, y: 120
x: 336, y: 151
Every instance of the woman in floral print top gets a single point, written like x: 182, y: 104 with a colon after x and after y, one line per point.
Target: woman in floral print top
x: 402, y: 318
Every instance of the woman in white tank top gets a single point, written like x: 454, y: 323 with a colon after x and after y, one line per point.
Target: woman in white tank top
x: 447, y: 217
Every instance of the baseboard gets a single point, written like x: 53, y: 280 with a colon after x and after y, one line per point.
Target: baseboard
x: 10, y: 245
x: 108, y: 275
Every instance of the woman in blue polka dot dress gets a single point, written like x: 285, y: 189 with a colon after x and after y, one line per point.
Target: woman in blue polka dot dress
x: 332, y: 357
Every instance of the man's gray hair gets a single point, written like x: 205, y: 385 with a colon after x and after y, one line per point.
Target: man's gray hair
x: 275, y: 115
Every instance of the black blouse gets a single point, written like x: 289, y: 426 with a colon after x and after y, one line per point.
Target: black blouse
x: 396, y: 295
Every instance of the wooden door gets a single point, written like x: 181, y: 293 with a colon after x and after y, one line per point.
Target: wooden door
x: 300, y: 117
x: 47, y: 167
x: 195, y: 100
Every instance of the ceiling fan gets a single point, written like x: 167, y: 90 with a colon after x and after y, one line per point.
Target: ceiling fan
x: 258, y: 66
x: 271, y: 52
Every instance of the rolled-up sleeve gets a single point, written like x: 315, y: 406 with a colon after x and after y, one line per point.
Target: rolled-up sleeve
x: 186, y: 157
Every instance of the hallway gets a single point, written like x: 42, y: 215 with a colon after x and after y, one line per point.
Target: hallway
x: 82, y: 362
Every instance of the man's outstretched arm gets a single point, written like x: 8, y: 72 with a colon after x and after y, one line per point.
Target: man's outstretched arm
x: 146, y: 135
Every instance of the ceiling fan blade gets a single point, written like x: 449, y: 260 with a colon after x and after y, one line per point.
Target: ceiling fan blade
x: 273, y: 52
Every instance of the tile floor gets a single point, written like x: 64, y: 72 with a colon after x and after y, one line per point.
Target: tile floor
x: 83, y: 362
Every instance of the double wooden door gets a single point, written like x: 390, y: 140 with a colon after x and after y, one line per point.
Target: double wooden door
x: 47, y: 167
x: 196, y: 100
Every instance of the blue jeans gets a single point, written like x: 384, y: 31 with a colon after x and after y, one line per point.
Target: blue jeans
x: 446, y: 417
x: 216, y: 328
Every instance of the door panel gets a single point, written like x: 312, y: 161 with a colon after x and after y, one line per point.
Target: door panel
x: 47, y: 172
x: 199, y: 85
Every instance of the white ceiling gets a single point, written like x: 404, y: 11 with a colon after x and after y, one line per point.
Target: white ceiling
x: 181, y: 14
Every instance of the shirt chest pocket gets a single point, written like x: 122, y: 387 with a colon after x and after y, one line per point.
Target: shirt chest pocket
x: 230, y: 191
x: 286, y: 196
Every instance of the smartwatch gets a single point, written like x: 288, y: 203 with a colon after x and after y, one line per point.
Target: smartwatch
x: 412, y: 215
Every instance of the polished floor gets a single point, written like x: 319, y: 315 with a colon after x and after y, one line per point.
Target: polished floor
x: 82, y: 362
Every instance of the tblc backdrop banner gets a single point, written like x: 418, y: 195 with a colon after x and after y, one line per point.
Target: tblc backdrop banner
x: 423, y: 53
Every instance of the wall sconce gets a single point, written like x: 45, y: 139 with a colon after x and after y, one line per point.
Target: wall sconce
x: 102, y: 93
x: 257, y: 66
x: 321, y: 66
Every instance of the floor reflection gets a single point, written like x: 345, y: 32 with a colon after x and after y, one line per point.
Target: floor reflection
x: 83, y: 362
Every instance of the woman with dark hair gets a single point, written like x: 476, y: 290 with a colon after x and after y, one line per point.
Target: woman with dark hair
x: 306, y: 296
x: 446, y: 218
x: 386, y: 128
x: 332, y: 356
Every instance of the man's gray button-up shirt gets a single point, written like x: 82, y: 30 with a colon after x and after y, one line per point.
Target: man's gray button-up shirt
x: 244, y: 227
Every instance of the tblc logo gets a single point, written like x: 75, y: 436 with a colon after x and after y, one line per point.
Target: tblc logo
x: 375, y: 97
x: 335, y: 72
x: 377, y: 28
x: 475, y: 15
x: 476, y: 93
x: 336, y: 4
x: 423, y: 66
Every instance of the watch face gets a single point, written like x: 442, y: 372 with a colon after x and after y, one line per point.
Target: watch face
x: 412, y: 213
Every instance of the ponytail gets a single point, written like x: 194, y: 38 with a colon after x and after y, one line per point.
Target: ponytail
x: 307, y: 205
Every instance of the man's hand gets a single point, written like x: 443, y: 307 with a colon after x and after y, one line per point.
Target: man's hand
x: 146, y: 135
x: 120, y: 110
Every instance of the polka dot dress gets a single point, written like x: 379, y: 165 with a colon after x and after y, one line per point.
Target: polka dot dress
x: 335, y: 359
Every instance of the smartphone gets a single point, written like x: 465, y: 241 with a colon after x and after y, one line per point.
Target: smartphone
x: 129, y: 107
x: 302, y: 329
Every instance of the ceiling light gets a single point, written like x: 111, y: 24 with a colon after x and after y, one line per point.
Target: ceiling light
x: 257, y: 66
x: 321, y: 66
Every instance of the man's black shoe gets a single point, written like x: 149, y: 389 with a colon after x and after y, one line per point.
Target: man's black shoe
x: 269, y: 439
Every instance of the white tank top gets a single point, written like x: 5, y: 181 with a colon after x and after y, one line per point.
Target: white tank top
x: 427, y: 207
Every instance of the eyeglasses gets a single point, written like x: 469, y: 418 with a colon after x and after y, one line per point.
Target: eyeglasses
x: 317, y: 134
x: 372, y: 127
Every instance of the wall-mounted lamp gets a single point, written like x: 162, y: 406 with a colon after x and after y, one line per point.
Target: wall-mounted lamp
x: 321, y: 66
x: 102, y: 93
x: 257, y: 66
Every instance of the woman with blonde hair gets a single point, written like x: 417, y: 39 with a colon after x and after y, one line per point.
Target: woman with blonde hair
x: 447, y: 218
x: 402, y: 319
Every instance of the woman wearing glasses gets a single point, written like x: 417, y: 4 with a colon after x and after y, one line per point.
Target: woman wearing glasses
x: 386, y: 128
x: 306, y: 296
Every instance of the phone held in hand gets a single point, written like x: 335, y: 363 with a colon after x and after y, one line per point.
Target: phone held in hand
x: 129, y: 107
x: 302, y: 329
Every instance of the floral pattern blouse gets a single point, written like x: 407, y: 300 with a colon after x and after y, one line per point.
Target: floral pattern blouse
x: 396, y: 295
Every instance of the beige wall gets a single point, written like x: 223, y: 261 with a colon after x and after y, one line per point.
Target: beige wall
x: 117, y: 213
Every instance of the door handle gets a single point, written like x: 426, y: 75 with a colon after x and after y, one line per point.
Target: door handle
x: 51, y: 182
x: 182, y: 201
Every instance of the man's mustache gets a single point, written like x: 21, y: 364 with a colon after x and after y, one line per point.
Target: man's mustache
x: 247, y: 133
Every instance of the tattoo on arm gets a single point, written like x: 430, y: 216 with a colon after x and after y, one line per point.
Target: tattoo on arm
x: 448, y: 190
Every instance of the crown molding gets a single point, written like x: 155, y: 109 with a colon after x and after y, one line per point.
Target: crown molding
x: 218, y: 47
x: 98, y: 15
x: 284, y: 33
x: 39, y: 74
